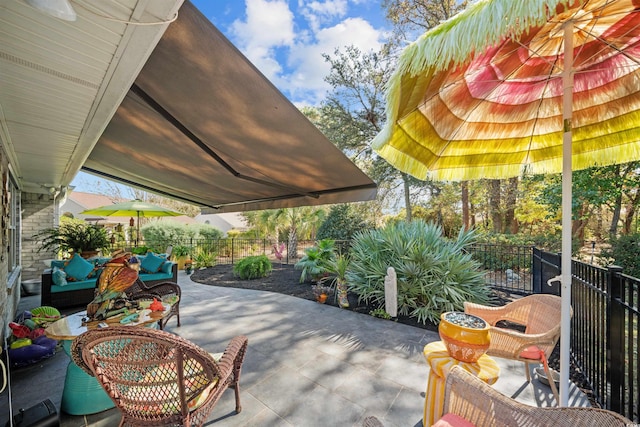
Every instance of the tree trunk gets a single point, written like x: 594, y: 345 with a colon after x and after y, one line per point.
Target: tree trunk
x: 407, y: 196
x: 511, y: 223
x: 494, y: 205
x: 617, y: 207
x: 464, y: 186
x: 628, y: 219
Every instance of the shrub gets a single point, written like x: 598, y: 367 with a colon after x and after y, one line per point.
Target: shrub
x: 434, y: 274
x: 624, y: 252
x: 204, y: 257
x: 315, y: 262
x: 252, y: 267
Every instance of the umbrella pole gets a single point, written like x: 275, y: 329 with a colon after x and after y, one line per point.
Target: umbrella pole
x: 567, y: 179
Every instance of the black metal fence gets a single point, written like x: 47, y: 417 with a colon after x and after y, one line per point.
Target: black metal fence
x: 507, y: 267
x: 604, y: 328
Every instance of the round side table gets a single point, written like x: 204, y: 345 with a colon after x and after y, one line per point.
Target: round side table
x: 440, y: 363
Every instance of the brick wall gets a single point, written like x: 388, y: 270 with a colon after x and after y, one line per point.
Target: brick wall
x: 38, y: 213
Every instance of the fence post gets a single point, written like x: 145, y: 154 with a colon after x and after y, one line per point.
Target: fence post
x: 615, y: 339
x: 536, y: 270
x: 232, y: 252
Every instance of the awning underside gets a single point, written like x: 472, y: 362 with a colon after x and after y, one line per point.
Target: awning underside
x: 203, y: 125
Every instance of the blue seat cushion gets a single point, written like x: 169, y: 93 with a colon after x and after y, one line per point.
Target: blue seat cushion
x: 74, y: 286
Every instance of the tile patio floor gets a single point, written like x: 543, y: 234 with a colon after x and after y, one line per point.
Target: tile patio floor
x: 307, y: 364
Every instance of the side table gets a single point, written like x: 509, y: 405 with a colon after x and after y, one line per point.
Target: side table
x: 440, y: 363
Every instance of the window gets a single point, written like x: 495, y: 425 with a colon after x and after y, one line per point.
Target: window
x: 12, y: 233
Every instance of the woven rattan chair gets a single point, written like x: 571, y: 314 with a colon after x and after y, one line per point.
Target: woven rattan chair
x: 158, y: 378
x: 162, y: 291
x: 539, y: 315
x: 470, y: 398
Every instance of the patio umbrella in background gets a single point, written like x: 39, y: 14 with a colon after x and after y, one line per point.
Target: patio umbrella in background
x: 513, y: 87
x: 134, y: 208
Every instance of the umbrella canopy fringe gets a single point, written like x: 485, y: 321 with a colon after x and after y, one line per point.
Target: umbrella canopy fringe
x: 483, y: 24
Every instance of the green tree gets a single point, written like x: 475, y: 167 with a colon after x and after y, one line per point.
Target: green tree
x: 341, y: 223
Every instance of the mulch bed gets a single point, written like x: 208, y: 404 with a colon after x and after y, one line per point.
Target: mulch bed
x: 285, y: 279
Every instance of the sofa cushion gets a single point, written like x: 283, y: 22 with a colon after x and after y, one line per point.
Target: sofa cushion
x: 151, y: 263
x: 59, y: 277
x: 146, y: 277
x: 78, y: 268
x: 74, y: 286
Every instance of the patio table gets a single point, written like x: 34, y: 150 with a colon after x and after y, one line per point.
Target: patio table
x: 82, y: 394
x: 440, y: 363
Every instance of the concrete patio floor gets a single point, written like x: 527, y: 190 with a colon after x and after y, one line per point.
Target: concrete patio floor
x: 307, y: 364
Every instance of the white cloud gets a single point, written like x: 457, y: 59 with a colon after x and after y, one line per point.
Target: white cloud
x: 318, y: 13
x: 310, y: 68
x: 269, y: 24
x: 289, y: 51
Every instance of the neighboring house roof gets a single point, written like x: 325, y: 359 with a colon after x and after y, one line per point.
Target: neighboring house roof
x: 223, y: 221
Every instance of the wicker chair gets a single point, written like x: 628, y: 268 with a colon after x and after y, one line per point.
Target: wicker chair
x: 470, y: 398
x: 539, y: 315
x: 140, y: 291
x: 158, y: 378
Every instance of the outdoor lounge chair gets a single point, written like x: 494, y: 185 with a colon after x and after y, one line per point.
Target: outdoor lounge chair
x: 158, y: 378
x: 539, y: 315
x: 470, y: 398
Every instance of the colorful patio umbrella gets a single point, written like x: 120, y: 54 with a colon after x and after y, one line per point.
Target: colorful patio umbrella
x: 132, y: 208
x: 512, y: 87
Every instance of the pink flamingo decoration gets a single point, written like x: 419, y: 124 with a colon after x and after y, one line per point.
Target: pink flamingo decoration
x: 279, y: 251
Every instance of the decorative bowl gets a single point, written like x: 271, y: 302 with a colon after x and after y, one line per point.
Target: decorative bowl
x: 465, y: 336
x: 542, y: 376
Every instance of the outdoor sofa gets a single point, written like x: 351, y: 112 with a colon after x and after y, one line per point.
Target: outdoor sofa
x: 81, y: 292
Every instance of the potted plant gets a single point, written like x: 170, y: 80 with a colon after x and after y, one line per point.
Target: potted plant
x: 74, y: 237
x: 465, y: 336
x: 181, y: 252
x: 320, y: 292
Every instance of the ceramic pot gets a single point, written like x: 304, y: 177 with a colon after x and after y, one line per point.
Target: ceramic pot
x: 465, y: 336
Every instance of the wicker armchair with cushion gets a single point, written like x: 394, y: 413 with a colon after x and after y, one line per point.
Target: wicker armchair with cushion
x: 539, y: 315
x: 163, y: 291
x: 470, y: 400
x: 158, y: 378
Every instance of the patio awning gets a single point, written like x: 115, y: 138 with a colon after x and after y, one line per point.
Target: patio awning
x: 201, y: 124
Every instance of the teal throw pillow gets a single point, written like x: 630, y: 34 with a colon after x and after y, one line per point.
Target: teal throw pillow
x: 78, y: 268
x: 59, y: 277
x: 151, y: 263
x: 166, y: 267
x: 60, y: 263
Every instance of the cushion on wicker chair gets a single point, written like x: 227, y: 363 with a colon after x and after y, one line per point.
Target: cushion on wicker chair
x: 452, y: 420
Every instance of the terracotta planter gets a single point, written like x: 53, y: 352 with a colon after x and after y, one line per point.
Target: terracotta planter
x: 465, y: 343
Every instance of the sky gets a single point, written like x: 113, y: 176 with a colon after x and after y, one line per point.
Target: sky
x: 285, y: 40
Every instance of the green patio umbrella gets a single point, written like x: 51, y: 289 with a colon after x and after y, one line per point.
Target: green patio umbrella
x: 132, y: 208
